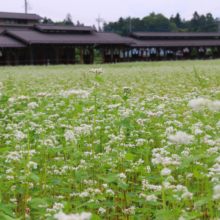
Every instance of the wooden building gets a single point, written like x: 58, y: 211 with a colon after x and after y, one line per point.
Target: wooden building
x: 23, y: 41
x: 173, y: 45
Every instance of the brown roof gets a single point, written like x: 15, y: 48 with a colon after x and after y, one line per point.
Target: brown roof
x: 51, y: 27
x: 13, y: 28
x: 11, y: 15
x: 6, y: 41
x: 35, y: 37
x: 175, y: 34
x: 174, y: 43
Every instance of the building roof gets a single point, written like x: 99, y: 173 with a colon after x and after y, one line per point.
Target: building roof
x: 36, y: 37
x: 174, y: 43
x: 11, y: 15
x: 55, y: 28
x: 13, y: 28
x: 174, y: 34
x: 8, y: 42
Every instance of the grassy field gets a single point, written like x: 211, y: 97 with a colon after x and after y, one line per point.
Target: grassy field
x: 139, y: 141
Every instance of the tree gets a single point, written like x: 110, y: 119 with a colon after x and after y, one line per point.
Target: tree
x: 79, y: 24
x: 68, y: 20
x: 47, y: 21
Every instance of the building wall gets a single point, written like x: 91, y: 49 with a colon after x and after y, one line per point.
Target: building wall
x: 30, y: 22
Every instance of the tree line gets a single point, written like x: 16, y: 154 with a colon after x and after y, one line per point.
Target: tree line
x: 159, y: 23
x: 67, y: 21
x: 153, y: 22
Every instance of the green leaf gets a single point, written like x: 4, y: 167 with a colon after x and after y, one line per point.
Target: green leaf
x: 35, y: 177
x: 125, y: 123
x: 95, y: 217
x: 55, y: 181
x: 6, y: 208
x: 80, y: 173
x: 6, y: 217
x: 129, y: 156
x: 4, y: 149
x: 4, y: 99
x: 197, y: 174
x: 109, y: 178
x: 35, y: 202
x: 123, y: 186
x: 201, y: 202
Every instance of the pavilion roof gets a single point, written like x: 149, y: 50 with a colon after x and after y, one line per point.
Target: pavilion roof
x: 36, y: 37
x: 13, y: 28
x: 12, y: 15
x: 55, y: 28
x: 174, y: 43
x: 7, y: 42
x: 174, y: 34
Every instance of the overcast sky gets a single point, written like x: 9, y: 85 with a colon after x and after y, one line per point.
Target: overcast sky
x: 86, y: 11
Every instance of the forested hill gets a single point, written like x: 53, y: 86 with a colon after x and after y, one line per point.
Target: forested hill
x: 158, y: 22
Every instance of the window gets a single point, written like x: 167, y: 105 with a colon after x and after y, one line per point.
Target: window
x: 15, y: 21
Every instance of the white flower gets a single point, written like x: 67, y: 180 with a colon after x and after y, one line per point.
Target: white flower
x: 69, y: 135
x: 165, y: 172
x: 101, y: 210
x: 216, y: 192
x: 1, y: 85
x: 181, y: 138
x: 32, y: 164
x: 33, y: 105
x: 122, y: 175
x: 187, y: 195
x: 96, y: 70
x: 199, y: 104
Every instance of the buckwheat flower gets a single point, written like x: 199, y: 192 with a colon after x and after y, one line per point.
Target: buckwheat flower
x: 69, y: 135
x: 105, y: 185
x: 96, y: 70
x: 122, y: 175
x: 181, y: 218
x: 101, y: 210
x: 58, y: 206
x: 126, y: 88
x: 1, y: 85
x: 140, y: 121
x: 151, y: 198
x: 187, y: 195
x: 214, y: 105
x: 60, y: 216
x: 32, y: 164
x: 181, y: 138
x: 110, y: 192
x: 12, y: 100
x: 216, y: 192
x: 33, y: 105
x: 199, y: 104
x: 165, y: 172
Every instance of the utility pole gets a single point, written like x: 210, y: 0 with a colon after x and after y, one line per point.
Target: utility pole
x: 130, y: 24
x: 99, y: 20
x: 26, y: 6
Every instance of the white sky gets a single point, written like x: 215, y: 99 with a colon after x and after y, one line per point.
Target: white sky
x: 86, y: 11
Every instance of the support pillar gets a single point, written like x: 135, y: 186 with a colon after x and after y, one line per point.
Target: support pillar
x: 91, y: 54
x: 103, y: 55
x: 111, y: 51
x: 81, y: 55
x: 74, y: 55
x: 57, y: 56
x: 31, y: 55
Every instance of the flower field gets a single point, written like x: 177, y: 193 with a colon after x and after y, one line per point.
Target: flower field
x: 134, y: 141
